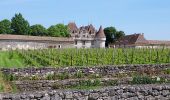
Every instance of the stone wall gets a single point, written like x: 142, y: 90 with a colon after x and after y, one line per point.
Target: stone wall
x: 16, y: 44
x: 122, y: 92
x: 100, y: 70
x: 37, y: 85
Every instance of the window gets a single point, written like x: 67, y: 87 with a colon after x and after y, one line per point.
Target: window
x: 92, y: 42
x: 84, y: 42
x: 75, y: 42
x: 59, y: 46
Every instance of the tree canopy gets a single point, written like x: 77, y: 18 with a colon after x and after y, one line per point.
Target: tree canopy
x: 38, y: 30
x: 20, y: 25
x: 5, y: 27
x: 112, y: 34
x: 59, y: 30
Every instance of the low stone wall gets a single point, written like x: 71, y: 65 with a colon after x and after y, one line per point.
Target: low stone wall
x: 135, y: 92
x: 101, y: 70
x: 37, y: 85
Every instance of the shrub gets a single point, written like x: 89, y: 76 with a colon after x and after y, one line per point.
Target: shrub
x: 167, y: 71
x: 63, y: 76
x: 143, y: 80
x: 79, y: 74
x: 9, y: 77
x: 57, y: 86
x: 1, y: 88
x: 35, y: 77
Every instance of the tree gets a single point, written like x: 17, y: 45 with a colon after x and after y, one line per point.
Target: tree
x: 119, y: 34
x: 5, y: 27
x: 59, y: 30
x: 110, y: 33
x: 38, y: 30
x: 20, y: 25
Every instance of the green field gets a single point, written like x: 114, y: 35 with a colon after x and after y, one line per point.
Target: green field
x: 7, y: 61
x: 82, y: 57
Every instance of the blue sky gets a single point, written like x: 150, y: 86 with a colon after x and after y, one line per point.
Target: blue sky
x: 151, y: 17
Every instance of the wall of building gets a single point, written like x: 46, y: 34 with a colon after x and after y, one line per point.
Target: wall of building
x: 16, y: 44
x: 100, y: 43
x: 83, y: 43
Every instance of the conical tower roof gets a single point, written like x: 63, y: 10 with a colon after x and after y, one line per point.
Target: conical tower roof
x: 100, y: 33
x: 72, y: 27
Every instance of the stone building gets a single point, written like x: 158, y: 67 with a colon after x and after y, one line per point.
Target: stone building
x: 83, y: 37
x: 139, y: 41
x: 87, y: 36
x: 8, y: 42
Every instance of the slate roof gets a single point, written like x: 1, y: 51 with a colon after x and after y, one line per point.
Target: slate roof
x: 130, y: 39
x: 138, y: 39
x: 72, y: 27
x: 34, y: 38
x: 100, y: 33
x: 159, y: 42
x: 88, y: 31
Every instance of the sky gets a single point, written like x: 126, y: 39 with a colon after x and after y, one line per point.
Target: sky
x: 151, y: 17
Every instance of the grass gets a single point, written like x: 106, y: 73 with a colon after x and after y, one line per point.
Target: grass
x: 4, y: 85
x: 86, y: 87
x: 9, y: 62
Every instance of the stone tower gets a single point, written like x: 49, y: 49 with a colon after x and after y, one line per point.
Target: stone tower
x: 100, y: 38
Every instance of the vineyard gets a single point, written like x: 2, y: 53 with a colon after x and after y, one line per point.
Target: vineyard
x: 83, y: 57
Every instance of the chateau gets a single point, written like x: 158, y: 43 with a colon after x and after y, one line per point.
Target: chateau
x: 87, y: 36
x: 83, y: 37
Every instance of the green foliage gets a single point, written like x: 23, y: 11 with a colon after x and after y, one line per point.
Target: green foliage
x: 38, y: 30
x: 9, y: 77
x: 20, y: 25
x: 59, y: 30
x: 82, y: 57
x: 50, y: 77
x: 57, y: 86
x: 35, y: 77
x: 79, y: 74
x: 5, y: 27
x: 112, y: 34
x: 1, y: 88
x: 112, y: 83
x: 167, y: 71
x: 119, y: 34
x: 14, y: 88
x: 143, y: 80
x: 63, y: 76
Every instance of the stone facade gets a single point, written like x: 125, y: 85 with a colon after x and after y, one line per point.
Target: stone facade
x: 15, y: 44
x: 8, y: 42
x: 122, y: 92
x: 87, y: 36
